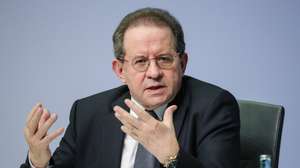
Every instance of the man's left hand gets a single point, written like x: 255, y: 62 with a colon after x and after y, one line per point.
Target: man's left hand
x: 158, y: 137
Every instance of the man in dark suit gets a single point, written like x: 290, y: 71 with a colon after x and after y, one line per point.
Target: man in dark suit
x: 159, y: 118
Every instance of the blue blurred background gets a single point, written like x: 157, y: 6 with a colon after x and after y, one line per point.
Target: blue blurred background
x: 56, y: 51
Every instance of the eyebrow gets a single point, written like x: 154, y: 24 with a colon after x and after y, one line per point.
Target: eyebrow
x: 161, y: 54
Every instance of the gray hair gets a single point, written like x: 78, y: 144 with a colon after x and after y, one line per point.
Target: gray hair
x: 148, y: 16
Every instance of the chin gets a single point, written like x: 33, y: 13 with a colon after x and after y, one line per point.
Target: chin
x: 155, y: 102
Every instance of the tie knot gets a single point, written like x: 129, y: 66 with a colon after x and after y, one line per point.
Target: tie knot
x: 153, y: 114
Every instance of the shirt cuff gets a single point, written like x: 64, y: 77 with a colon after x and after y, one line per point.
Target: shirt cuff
x: 32, y: 166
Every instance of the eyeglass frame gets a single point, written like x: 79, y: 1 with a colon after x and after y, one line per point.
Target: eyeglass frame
x: 122, y: 60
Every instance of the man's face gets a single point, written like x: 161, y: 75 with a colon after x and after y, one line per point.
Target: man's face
x: 155, y: 86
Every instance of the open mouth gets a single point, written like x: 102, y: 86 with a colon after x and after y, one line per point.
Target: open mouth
x: 155, y: 90
x: 155, y: 87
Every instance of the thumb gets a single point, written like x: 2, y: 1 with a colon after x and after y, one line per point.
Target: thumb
x: 168, y: 116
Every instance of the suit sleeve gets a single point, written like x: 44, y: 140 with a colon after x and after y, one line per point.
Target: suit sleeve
x: 219, y: 147
x: 64, y: 155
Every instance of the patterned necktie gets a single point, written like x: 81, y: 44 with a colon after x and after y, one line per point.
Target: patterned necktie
x: 145, y: 159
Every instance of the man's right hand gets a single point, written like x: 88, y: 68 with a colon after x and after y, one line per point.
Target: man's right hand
x: 39, y: 120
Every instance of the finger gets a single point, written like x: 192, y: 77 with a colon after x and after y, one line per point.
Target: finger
x: 139, y: 112
x: 129, y: 132
x: 44, y: 118
x: 125, y: 118
x: 49, y: 138
x: 34, y: 121
x: 168, y: 116
x: 45, y: 127
x: 33, y: 110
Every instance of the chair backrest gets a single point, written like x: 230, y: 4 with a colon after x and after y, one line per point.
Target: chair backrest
x: 261, y: 127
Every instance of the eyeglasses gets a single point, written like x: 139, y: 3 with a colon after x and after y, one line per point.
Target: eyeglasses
x: 141, y: 63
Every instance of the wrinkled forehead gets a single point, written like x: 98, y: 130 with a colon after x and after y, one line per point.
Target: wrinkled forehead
x: 148, y: 38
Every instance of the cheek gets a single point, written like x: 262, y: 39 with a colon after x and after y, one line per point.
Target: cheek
x: 173, y: 77
x: 174, y: 81
x: 134, y: 82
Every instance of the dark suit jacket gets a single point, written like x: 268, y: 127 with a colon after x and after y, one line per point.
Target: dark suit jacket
x: 206, y: 122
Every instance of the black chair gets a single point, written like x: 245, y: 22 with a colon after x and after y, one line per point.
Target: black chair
x: 261, y: 127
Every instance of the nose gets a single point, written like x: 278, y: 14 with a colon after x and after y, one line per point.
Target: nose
x: 153, y: 71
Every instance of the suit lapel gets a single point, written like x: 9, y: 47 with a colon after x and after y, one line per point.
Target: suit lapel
x: 112, y: 135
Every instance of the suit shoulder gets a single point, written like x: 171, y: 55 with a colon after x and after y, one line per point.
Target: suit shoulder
x: 85, y: 109
x: 198, y: 89
x: 105, y: 96
x: 199, y: 85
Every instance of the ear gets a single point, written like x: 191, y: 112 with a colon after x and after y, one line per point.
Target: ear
x: 184, y: 61
x: 117, y: 67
